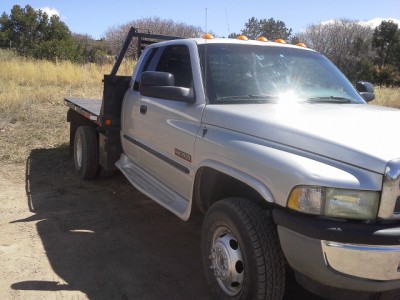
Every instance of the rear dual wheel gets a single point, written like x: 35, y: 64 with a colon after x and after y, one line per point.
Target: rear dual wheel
x: 86, y: 152
x: 241, y: 253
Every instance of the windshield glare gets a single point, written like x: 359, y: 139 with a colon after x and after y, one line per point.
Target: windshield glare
x: 258, y: 74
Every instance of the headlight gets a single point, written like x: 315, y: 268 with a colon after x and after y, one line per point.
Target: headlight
x: 342, y: 203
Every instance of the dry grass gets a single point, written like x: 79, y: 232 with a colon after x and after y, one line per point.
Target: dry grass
x: 32, y: 114
x: 387, y: 97
x: 44, y: 81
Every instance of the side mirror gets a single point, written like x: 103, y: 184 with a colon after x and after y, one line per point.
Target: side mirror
x: 161, y: 85
x: 366, y: 90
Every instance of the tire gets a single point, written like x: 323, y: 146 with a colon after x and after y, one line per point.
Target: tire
x: 72, y: 132
x: 86, y: 152
x: 241, y: 254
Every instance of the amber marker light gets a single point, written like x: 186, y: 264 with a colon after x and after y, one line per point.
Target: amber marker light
x: 301, y: 45
x: 280, y: 41
x: 208, y: 36
x: 242, y: 38
x: 262, y: 39
x: 108, y: 122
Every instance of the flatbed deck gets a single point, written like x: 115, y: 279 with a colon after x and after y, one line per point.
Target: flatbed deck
x: 89, y: 108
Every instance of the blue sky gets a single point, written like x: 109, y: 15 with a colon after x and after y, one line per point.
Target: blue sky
x: 95, y: 17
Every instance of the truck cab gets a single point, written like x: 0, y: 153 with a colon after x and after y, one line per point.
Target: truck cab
x: 288, y: 162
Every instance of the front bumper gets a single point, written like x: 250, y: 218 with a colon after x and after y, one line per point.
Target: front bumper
x: 363, y: 261
x: 343, y: 255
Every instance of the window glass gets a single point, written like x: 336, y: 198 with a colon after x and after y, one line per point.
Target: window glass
x: 176, y: 60
x: 253, y: 74
x: 143, y: 67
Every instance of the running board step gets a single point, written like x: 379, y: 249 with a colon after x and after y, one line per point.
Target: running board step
x: 152, y: 187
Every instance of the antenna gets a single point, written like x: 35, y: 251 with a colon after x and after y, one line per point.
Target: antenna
x: 205, y: 29
x: 227, y: 21
x: 205, y: 62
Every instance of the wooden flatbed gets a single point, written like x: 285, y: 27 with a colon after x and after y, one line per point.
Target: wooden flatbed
x: 88, y: 108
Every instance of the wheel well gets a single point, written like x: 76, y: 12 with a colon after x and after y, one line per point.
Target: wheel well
x: 212, y: 185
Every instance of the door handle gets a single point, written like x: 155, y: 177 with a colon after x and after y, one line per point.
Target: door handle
x: 143, y: 109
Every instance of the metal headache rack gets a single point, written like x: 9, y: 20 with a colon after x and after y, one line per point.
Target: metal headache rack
x: 143, y: 40
x: 106, y: 113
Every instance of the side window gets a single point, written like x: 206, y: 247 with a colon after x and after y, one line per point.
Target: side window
x: 143, y: 67
x: 176, y: 60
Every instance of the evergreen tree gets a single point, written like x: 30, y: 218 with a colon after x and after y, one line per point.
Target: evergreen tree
x: 33, y: 33
x: 271, y: 29
x: 385, y: 41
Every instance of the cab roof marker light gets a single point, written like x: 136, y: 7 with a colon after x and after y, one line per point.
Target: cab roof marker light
x: 208, y: 36
x: 262, y: 39
x: 280, y: 41
x: 242, y: 38
x: 301, y: 45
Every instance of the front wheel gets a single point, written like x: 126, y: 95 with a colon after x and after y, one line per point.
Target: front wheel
x: 241, y: 253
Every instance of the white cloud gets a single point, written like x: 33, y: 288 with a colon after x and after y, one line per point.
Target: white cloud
x: 373, y: 23
x: 377, y: 21
x: 50, y: 11
x: 369, y: 23
x: 328, y: 22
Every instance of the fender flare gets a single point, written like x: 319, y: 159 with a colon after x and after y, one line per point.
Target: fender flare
x: 254, y: 183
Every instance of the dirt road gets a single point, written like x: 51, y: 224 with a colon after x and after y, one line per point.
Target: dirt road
x: 64, y: 238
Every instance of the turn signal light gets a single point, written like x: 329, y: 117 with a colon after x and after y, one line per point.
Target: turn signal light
x: 301, y: 45
x: 262, y: 39
x: 108, y: 122
x: 242, y: 38
x: 208, y: 36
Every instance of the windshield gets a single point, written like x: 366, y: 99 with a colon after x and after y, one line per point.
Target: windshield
x: 259, y: 74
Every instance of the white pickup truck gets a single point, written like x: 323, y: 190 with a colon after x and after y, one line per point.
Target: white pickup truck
x: 291, y: 166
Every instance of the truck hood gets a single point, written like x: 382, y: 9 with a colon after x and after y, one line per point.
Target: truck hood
x: 357, y: 134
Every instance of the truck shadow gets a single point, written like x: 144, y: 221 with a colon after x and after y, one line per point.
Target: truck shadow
x: 109, y: 241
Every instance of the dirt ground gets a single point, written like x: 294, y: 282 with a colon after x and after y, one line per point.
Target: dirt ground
x: 64, y: 238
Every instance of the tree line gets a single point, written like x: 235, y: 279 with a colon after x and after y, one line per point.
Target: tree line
x: 362, y: 53
x: 34, y: 33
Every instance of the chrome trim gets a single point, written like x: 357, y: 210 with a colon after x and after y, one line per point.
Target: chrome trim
x: 390, y: 190
x: 363, y: 247
x: 363, y: 261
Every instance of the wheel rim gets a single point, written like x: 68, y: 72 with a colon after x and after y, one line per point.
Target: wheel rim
x: 79, y: 152
x: 226, y: 261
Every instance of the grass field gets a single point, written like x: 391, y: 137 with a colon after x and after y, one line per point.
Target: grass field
x: 32, y: 113
x: 387, y: 97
